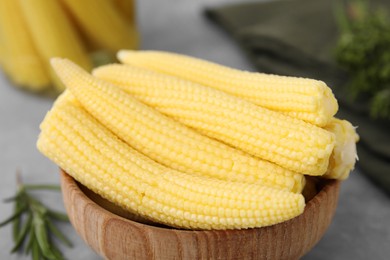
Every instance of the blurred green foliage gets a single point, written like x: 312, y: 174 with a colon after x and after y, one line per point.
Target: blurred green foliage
x: 363, y: 50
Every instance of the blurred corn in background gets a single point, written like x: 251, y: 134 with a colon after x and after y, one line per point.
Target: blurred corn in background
x: 89, y: 32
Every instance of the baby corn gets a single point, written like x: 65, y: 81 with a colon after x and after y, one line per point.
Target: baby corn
x: 104, y: 24
x: 93, y: 155
x: 127, y: 8
x: 269, y: 135
x: 53, y: 33
x: 19, y: 56
x: 305, y: 99
x: 344, y: 155
x: 166, y: 140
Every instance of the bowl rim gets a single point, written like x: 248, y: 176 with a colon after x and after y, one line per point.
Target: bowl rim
x: 68, y: 181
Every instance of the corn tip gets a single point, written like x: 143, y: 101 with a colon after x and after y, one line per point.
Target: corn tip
x: 98, y: 70
x: 55, y: 62
x: 122, y: 54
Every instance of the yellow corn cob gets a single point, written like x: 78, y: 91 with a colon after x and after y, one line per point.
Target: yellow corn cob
x: 2, y: 48
x: 288, y: 142
x: 344, y: 155
x: 164, y: 139
x: 53, y: 33
x: 305, y: 99
x: 127, y: 8
x: 3, y: 53
x: 103, y: 24
x: 20, y: 58
x: 89, y: 152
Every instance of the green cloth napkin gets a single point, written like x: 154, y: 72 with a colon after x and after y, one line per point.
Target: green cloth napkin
x: 297, y: 38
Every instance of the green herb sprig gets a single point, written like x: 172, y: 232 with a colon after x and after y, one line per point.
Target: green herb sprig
x: 33, y: 223
x: 363, y: 50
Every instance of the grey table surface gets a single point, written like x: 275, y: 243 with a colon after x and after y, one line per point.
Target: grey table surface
x: 360, y: 229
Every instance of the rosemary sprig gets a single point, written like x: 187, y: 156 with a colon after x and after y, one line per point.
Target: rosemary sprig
x: 33, y: 223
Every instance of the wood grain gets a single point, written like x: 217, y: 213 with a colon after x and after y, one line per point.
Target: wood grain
x: 115, y: 237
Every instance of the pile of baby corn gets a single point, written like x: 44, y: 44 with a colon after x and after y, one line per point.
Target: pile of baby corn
x: 192, y: 144
x: 33, y: 31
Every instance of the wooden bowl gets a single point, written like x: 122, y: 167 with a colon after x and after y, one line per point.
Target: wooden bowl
x: 115, y: 237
